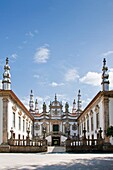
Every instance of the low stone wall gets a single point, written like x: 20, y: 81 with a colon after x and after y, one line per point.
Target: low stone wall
x: 83, y: 147
x: 4, y: 148
x: 22, y: 149
x: 28, y: 149
x: 89, y: 149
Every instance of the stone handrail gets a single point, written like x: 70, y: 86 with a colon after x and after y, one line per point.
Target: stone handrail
x: 27, y: 142
x: 86, y: 142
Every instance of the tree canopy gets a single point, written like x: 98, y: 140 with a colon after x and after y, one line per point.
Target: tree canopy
x: 110, y: 131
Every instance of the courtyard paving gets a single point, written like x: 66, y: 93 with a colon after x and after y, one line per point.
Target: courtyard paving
x: 56, y: 161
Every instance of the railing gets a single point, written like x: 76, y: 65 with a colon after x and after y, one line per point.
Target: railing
x: 27, y: 145
x: 85, y: 142
x: 84, y: 145
x: 27, y: 142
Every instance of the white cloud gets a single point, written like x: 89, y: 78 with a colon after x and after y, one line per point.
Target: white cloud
x: 85, y: 102
x: 71, y: 75
x: 36, y: 76
x: 42, y: 55
x: 92, y: 78
x: 107, y: 53
x: 14, y: 56
x: 29, y: 34
x: 54, y: 84
x: 25, y: 101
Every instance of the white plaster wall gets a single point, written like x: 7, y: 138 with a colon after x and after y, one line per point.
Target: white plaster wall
x: 49, y: 139
x: 101, y: 120
x: 1, y: 119
x: 51, y: 127
x: 111, y: 112
x: 60, y: 127
x: 101, y: 117
x: 16, y: 129
x: 111, y: 116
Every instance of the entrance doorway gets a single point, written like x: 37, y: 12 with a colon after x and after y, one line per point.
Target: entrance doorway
x: 55, y: 141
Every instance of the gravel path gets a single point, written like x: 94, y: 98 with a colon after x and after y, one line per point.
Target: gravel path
x: 56, y: 161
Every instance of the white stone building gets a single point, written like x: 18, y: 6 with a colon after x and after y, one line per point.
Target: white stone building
x: 54, y: 124
x: 13, y: 114
x: 99, y: 112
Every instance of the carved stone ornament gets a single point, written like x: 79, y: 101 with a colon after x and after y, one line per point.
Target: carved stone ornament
x: 37, y: 126
x: 97, y: 109
x: 14, y: 108
x: 20, y: 112
x: 91, y: 112
x: 24, y: 116
x: 74, y: 127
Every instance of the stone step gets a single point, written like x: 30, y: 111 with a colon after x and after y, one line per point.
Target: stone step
x: 56, y: 149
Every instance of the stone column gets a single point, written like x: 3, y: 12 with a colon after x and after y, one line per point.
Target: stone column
x: 5, y: 120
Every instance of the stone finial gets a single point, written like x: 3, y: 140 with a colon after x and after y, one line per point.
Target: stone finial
x: 31, y: 102
x: 79, y: 103
x: 6, y: 82
x: 105, y: 77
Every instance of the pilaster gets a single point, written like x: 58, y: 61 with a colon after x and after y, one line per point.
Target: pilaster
x: 106, y: 113
x: 5, y: 120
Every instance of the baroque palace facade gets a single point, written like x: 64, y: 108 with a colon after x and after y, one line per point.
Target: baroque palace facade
x: 54, y: 124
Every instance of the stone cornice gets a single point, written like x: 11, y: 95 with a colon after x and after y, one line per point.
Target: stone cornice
x: 10, y: 94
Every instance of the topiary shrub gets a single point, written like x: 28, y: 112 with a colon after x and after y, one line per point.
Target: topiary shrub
x: 110, y: 131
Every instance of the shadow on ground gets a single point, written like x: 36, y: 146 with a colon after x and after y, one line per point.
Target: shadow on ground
x: 78, y: 164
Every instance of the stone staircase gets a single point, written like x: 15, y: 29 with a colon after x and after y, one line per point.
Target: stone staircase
x: 56, y: 149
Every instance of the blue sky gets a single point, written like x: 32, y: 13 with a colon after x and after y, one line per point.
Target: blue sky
x: 56, y: 46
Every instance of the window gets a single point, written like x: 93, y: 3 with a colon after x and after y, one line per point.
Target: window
x: 55, y: 128
x: 92, y: 123
x: 23, y: 125
x: 13, y: 120
x: 88, y: 125
x: 80, y: 129
x: 26, y: 126
x: 84, y: 124
x: 19, y: 123
x: 97, y: 120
